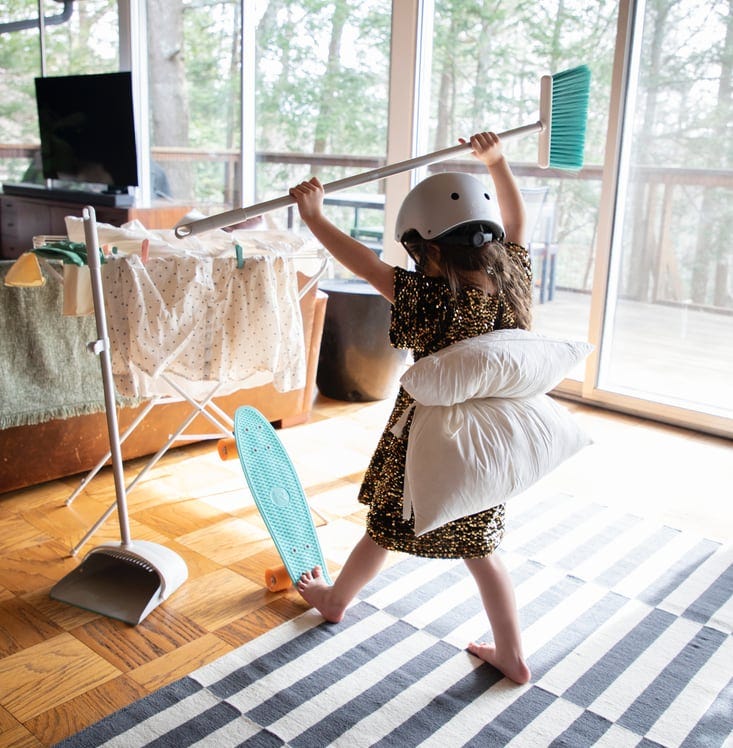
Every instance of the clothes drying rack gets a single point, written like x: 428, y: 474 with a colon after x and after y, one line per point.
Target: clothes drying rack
x: 201, y: 405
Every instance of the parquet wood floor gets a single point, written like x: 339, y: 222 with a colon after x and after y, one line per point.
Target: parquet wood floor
x: 62, y: 668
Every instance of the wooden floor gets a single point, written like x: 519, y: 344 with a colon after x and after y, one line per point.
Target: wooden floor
x: 62, y: 668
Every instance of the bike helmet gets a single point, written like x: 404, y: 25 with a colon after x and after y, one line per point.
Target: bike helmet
x: 445, y: 201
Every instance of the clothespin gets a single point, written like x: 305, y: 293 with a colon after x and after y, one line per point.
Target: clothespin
x: 240, y: 257
x: 145, y: 251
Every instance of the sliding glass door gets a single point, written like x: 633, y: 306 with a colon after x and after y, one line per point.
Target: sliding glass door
x: 486, y: 75
x: 630, y: 252
x: 665, y: 332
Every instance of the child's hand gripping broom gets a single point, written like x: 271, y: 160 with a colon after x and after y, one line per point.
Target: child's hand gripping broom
x: 561, y: 126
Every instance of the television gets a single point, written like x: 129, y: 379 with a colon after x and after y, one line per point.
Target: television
x: 87, y: 130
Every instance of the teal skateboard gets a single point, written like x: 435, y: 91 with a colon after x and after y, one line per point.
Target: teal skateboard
x: 279, y: 496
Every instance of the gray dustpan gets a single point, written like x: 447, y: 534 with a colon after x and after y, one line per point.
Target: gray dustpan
x: 125, y: 580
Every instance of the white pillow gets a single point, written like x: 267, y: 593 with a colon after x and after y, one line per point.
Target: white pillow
x: 471, y: 456
x: 502, y: 363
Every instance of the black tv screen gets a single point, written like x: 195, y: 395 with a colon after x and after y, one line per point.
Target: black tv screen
x: 87, y: 129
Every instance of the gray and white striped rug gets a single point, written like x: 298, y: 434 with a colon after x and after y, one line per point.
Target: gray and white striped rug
x: 627, y: 626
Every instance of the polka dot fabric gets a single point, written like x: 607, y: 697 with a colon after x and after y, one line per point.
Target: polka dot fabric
x: 203, y: 320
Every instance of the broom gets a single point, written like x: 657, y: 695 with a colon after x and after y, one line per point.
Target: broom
x: 561, y: 126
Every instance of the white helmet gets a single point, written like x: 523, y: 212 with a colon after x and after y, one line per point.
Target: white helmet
x: 444, y: 202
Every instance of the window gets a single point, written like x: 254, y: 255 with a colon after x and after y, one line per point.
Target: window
x: 315, y: 105
x: 487, y: 65
x: 244, y: 99
x: 668, y: 332
x: 69, y: 31
x: 321, y: 105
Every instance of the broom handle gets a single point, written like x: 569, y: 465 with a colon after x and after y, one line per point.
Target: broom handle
x: 242, y: 214
x: 101, y: 347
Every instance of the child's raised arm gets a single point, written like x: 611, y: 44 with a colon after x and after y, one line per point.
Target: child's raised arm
x: 354, y: 255
x: 487, y: 148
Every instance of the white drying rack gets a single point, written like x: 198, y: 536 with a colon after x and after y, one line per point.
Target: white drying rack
x: 200, y: 406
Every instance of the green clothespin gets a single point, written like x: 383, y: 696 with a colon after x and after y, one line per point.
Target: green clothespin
x: 70, y: 253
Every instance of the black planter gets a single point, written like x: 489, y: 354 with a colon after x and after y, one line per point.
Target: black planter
x: 357, y: 362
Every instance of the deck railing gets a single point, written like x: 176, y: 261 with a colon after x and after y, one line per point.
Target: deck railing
x: 669, y: 206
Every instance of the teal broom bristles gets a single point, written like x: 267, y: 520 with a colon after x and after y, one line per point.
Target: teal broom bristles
x: 570, y: 93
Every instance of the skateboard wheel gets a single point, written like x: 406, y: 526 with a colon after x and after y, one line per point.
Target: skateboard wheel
x: 277, y: 579
x: 227, y: 449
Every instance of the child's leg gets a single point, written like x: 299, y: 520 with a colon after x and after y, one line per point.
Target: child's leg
x: 361, y: 567
x: 497, y: 595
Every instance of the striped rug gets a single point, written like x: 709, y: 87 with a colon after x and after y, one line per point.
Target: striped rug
x: 627, y: 627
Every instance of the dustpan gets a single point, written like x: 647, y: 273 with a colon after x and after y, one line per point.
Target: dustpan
x: 121, y: 581
x: 125, y: 580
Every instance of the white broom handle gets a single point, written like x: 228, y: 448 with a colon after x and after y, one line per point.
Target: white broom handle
x: 101, y: 347
x: 242, y: 214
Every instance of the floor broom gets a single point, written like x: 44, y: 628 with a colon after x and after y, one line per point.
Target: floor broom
x: 563, y: 112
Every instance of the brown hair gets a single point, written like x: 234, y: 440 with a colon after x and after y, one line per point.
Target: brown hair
x: 458, y: 261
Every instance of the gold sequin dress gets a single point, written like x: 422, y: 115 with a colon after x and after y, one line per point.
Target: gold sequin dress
x: 426, y: 318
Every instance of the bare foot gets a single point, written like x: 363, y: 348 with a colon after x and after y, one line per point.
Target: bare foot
x: 514, y: 667
x: 317, y: 593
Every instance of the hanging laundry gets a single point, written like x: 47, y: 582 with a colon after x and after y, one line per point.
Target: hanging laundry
x: 203, y: 320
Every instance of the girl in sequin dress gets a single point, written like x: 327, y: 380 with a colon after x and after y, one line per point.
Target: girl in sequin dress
x: 472, y: 276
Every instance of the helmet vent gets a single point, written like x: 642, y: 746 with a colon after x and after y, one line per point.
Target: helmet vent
x: 487, y: 196
x: 454, y: 196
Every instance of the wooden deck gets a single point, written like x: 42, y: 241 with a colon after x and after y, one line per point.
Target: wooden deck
x: 672, y: 353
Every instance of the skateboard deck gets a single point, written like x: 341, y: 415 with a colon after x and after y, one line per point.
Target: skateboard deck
x: 279, y: 496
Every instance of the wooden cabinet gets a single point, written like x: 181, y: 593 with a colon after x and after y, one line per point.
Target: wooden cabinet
x: 22, y: 218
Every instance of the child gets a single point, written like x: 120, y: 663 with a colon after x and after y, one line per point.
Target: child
x: 471, y: 277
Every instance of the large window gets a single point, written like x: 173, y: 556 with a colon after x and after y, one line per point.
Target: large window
x: 240, y: 100
x: 303, y: 84
x: 194, y: 69
x: 487, y: 65
x: 668, y: 333
x: 321, y: 99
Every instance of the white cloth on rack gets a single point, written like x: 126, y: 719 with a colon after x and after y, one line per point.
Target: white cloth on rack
x: 190, y: 315
x: 203, y: 320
